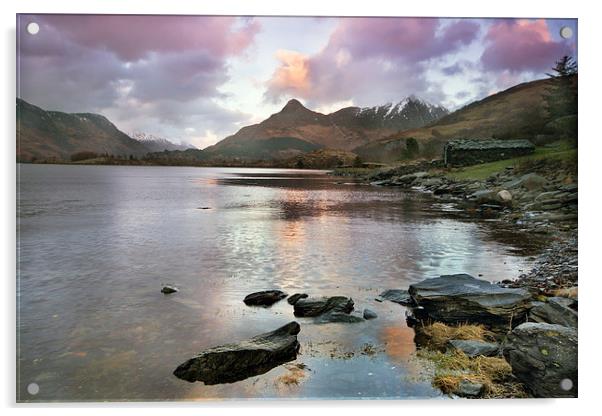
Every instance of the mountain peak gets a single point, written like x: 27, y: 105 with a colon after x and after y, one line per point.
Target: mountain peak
x: 293, y: 105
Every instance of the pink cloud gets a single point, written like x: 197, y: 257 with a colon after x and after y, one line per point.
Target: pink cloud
x: 522, y: 45
x: 292, y: 74
x: 369, y: 57
x: 397, y: 38
x: 133, y: 37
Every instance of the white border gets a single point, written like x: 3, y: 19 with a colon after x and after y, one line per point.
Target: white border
x: 589, y: 160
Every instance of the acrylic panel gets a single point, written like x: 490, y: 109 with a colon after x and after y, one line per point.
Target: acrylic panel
x: 233, y: 207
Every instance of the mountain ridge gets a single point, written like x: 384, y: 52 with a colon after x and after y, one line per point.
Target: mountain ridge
x: 343, y: 129
x: 56, y: 136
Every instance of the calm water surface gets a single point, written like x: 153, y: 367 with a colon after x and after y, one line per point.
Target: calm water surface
x: 97, y: 242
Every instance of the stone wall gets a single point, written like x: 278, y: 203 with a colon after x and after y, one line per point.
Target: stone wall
x: 468, y: 152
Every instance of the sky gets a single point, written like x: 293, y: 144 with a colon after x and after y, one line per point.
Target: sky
x: 198, y: 79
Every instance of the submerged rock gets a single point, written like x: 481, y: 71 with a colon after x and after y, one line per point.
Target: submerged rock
x: 461, y: 298
x: 264, y: 298
x: 235, y: 362
x: 544, y: 358
x: 294, y: 298
x: 555, y: 311
x: 335, y: 316
x: 369, y: 314
x: 398, y: 296
x: 474, y: 348
x: 167, y: 289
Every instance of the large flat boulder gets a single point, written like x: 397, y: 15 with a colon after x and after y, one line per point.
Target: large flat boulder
x: 544, y: 358
x: 235, y: 362
x: 460, y: 298
x: 264, y: 298
x: 557, y: 311
x: 399, y: 296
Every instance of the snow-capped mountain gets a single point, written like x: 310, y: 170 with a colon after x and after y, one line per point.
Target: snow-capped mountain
x: 297, y: 129
x: 411, y: 112
x: 158, y: 144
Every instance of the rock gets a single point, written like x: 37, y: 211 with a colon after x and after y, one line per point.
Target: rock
x: 398, y: 296
x: 317, y: 306
x: 167, y: 289
x: 474, y: 348
x: 469, y: 389
x: 504, y: 196
x: 483, y: 196
x: 327, y: 309
x: 555, y: 311
x: 369, y: 314
x: 294, y: 298
x: 235, y: 362
x: 546, y: 196
x: 461, y: 298
x: 530, y: 181
x: 335, y: 316
x: 264, y: 298
x: 543, y: 357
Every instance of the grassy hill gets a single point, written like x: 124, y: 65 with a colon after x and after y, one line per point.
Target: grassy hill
x: 518, y: 112
x: 55, y: 136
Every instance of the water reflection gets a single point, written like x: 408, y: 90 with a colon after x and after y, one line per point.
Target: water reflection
x: 96, y: 243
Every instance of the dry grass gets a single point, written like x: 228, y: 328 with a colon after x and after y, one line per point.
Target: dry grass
x: 571, y: 292
x: 494, y: 373
x: 295, y: 375
x: 437, y: 334
x: 453, y: 367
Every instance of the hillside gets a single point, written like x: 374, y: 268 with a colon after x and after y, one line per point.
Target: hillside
x: 55, y: 136
x: 296, y: 129
x: 518, y: 112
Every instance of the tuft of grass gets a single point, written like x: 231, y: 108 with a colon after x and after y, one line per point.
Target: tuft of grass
x: 570, y: 292
x: 438, y: 334
x: 447, y: 383
x: 294, y: 376
x: 494, y: 373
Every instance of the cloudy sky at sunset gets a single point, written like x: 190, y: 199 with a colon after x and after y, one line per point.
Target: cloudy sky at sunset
x: 199, y: 79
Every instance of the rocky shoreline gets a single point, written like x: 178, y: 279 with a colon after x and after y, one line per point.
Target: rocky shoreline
x: 539, y: 341
x: 515, y: 338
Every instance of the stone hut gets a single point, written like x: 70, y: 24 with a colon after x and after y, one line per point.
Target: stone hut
x: 465, y: 152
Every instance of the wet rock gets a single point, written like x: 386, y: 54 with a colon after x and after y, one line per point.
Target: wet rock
x: 327, y: 309
x: 369, y: 314
x: 167, y: 289
x: 235, y: 362
x: 294, y: 298
x: 311, y: 307
x: 337, y: 316
x: 398, y: 296
x: 555, y: 311
x: 469, y: 389
x: 461, y: 298
x: 544, y: 358
x: 474, y: 348
x: 264, y: 298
